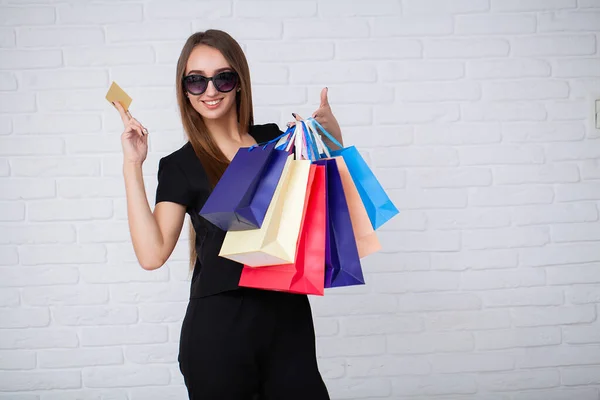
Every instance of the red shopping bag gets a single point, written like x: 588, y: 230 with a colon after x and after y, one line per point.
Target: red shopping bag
x: 307, y: 274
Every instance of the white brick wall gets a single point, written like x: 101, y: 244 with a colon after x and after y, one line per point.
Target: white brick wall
x: 475, y: 115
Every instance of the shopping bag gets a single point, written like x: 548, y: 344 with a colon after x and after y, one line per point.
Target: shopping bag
x: 342, y: 263
x: 366, y: 238
x: 275, y: 241
x: 376, y: 201
x: 364, y: 233
x: 306, y: 274
x: 242, y: 196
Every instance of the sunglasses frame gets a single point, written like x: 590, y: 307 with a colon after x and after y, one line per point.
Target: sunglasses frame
x: 210, y: 79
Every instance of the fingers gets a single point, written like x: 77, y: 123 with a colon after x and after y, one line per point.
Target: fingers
x: 122, y: 112
x: 320, y: 117
x: 135, y: 128
x: 323, y: 106
x: 137, y: 123
x: 324, y: 99
x: 134, y: 122
x: 134, y: 125
x: 128, y: 119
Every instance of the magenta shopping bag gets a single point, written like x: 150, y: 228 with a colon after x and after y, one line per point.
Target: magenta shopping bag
x: 242, y: 196
x: 342, y: 263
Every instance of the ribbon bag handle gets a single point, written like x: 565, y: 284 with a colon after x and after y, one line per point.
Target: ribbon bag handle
x: 314, y: 144
x: 284, y: 140
x: 305, y: 139
x: 291, y: 140
x: 321, y: 147
x: 307, y: 150
x: 327, y: 134
x: 298, y: 142
x: 276, y: 140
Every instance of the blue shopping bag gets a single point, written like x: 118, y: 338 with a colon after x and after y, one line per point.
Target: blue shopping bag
x: 242, y: 196
x: 376, y: 201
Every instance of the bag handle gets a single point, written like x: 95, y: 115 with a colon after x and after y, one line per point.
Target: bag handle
x: 311, y: 149
x: 298, y: 141
x: 328, y: 135
x: 321, y: 147
x: 265, y: 144
x: 314, y: 143
x: 305, y: 138
x: 307, y: 141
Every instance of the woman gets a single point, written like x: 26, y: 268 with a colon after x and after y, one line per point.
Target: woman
x: 236, y: 343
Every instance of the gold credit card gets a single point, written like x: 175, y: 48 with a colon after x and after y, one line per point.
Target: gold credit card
x: 115, y: 93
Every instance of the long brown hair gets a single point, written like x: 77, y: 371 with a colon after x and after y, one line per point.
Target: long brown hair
x: 212, y: 158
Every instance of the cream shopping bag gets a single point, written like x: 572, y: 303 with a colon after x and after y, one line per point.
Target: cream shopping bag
x: 275, y: 242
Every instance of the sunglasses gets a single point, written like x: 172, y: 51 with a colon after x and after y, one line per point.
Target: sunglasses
x: 197, y: 84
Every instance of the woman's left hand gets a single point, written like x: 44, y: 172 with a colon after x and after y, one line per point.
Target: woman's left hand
x: 325, y: 117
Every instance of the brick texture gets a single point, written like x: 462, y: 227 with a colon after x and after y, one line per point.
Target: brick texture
x: 474, y: 114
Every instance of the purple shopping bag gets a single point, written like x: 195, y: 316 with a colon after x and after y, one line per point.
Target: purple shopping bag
x: 242, y: 196
x: 342, y: 263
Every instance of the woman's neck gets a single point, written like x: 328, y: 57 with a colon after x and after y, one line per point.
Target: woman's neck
x: 225, y: 129
x: 228, y: 136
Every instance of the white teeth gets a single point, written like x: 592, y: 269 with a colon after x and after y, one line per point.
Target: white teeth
x: 212, y: 103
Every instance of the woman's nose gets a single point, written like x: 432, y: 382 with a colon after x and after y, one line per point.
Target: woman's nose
x: 210, y: 89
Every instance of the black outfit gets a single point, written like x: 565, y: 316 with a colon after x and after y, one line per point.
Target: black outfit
x: 236, y: 343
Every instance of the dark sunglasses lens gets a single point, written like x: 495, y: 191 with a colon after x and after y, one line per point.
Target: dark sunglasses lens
x: 225, y: 81
x: 195, y: 84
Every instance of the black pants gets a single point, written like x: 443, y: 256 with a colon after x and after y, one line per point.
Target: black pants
x: 250, y: 344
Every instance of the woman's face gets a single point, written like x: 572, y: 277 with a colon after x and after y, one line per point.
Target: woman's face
x: 212, y: 104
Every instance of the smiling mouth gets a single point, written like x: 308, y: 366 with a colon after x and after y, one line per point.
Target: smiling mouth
x: 212, y: 102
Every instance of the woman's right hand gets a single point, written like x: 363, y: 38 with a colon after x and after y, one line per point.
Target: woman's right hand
x: 134, y: 138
